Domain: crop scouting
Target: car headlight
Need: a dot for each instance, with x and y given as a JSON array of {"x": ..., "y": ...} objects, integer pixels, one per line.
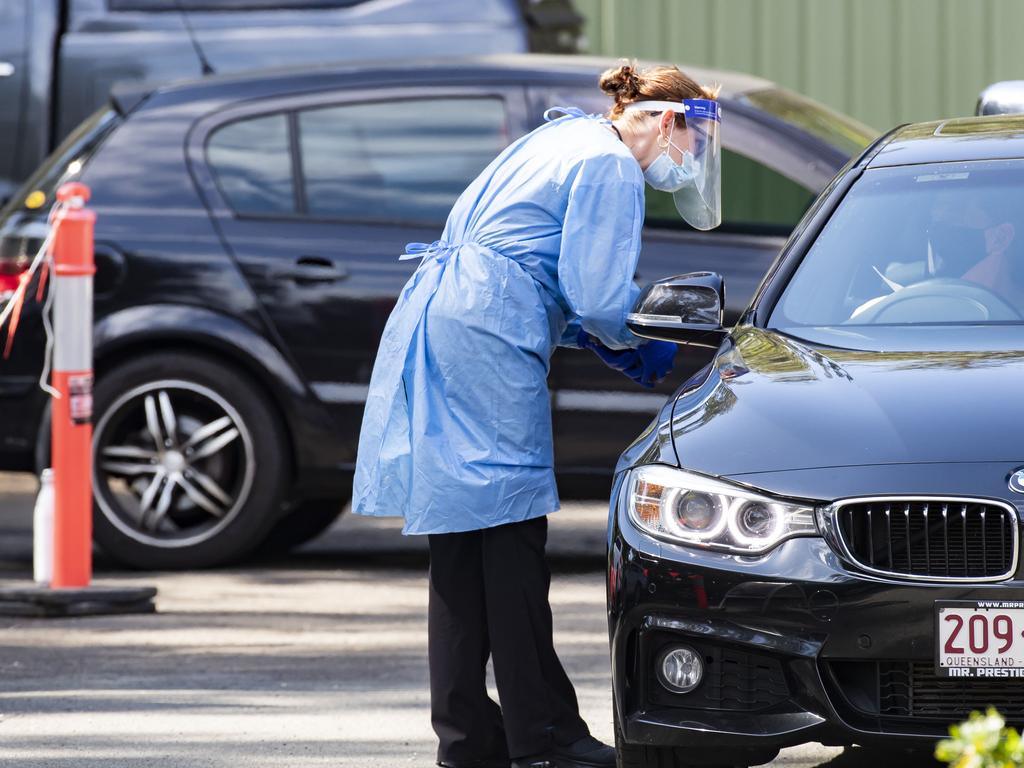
[{"x": 692, "y": 509}]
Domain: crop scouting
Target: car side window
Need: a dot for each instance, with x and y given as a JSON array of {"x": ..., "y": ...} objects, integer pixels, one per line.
[
  {"x": 404, "y": 160},
  {"x": 251, "y": 161},
  {"x": 755, "y": 199}
]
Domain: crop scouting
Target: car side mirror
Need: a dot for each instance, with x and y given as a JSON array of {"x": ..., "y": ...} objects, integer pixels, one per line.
[
  {"x": 685, "y": 308},
  {"x": 1003, "y": 98}
]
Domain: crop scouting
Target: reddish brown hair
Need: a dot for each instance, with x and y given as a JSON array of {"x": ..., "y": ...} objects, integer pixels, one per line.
[{"x": 627, "y": 84}]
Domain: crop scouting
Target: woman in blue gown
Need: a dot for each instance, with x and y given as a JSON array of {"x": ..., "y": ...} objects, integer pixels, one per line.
[{"x": 539, "y": 251}]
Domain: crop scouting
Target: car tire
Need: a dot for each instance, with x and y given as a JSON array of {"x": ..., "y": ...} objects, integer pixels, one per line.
[
  {"x": 190, "y": 462},
  {"x": 307, "y": 520},
  {"x": 644, "y": 756}
]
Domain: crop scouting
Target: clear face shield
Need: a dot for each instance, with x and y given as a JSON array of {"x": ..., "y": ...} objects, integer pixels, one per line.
[{"x": 696, "y": 182}]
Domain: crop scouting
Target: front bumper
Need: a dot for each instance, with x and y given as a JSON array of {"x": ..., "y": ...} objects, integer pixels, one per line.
[{"x": 797, "y": 648}]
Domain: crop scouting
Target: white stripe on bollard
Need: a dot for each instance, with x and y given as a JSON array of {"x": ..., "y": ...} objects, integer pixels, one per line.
[{"x": 73, "y": 299}]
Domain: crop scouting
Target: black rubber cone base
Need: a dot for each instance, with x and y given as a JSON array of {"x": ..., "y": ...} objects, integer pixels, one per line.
[{"x": 43, "y": 602}]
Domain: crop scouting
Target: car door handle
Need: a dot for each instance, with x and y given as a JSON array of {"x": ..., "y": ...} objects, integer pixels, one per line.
[
  {"x": 316, "y": 269},
  {"x": 6, "y": 69}
]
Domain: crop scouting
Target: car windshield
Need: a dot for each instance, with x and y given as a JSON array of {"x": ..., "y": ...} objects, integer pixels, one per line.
[
  {"x": 918, "y": 245},
  {"x": 842, "y": 132}
]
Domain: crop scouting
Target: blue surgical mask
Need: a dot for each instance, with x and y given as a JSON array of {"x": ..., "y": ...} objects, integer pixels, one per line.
[{"x": 664, "y": 174}]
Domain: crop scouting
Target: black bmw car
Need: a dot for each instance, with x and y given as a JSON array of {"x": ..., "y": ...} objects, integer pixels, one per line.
[
  {"x": 246, "y": 242},
  {"x": 818, "y": 538}
]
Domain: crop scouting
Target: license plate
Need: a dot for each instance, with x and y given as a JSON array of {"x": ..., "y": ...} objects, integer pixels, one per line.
[{"x": 982, "y": 638}]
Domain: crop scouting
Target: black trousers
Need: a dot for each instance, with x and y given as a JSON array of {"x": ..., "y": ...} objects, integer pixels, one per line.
[{"x": 489, "y": 597}]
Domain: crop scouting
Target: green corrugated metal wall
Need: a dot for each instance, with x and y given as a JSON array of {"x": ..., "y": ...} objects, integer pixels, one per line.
[{"x": 881, "y": 61}]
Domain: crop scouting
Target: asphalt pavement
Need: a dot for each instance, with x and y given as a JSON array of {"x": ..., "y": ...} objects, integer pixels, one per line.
[{"x": 316, "y": 659}]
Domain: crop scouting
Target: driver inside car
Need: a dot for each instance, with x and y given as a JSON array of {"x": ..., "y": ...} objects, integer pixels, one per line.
[
  {"x": 979, "y": 244},
  {"x": 1002, "y": 269},
  {"x": 969, "y": 240}
]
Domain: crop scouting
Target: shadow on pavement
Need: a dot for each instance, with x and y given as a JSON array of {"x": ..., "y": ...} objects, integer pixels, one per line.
[
  {"x": 89, "y": 751},
  {"x": 576, "y": 540},
  {"x": 871, "y": 757},
  {"x": 311, "y": 659}
]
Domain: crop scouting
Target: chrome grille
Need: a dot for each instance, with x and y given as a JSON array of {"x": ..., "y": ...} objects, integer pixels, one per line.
[{"x": 930, "y": 538}]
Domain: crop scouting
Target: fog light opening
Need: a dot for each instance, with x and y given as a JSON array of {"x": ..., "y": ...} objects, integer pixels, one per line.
[{"x": 680, "y": 669}]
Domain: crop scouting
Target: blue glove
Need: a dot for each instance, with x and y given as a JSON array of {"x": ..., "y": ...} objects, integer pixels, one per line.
[
  {"x": 616, "y": 359},
  {"x": 657, "y": 359},
  {"x": 646, "y": 366}
]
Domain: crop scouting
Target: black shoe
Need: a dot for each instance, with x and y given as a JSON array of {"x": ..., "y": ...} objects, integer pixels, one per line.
[
  {"x": 587, "y": 752},
  {"x": 473, "y": 764}
]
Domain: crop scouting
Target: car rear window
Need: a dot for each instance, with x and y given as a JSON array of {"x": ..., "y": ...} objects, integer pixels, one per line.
[
  {"x": 840, "y": 131},
  {"x": 403, "y": 160},
  {"x": 917, "y": 245},
  {"x": 252, "y": 162}
]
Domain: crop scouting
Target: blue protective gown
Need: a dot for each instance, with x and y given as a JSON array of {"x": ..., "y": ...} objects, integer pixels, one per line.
[{"x": 456, "y": 434}]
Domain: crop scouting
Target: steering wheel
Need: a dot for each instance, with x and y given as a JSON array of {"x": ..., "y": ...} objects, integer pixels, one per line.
[{"x": 941, "y": 300}]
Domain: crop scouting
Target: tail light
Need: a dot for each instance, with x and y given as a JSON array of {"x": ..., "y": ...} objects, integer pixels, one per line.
[
  {"x": 19, "y": 243},
  {"x": 10, "y": 275}
]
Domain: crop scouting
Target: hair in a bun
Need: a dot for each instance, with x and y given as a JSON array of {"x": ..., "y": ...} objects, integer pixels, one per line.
[
  {"x": 621, "y": 83},
  {"x": 626, "y": 84}
]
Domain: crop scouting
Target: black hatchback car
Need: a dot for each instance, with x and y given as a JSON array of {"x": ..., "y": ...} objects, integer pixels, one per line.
[
  {"x": 247, "y": 241},
  {"x": 818, "y": 538}
]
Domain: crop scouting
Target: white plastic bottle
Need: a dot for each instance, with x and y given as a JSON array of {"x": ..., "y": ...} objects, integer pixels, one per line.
[{"x": 42, "y": 530}]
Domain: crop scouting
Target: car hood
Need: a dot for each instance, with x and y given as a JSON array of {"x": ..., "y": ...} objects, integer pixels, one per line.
[{"x": 771, "y": 402}]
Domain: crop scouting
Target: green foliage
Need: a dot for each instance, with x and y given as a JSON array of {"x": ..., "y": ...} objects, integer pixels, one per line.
[{"x": 983, "y": 741}]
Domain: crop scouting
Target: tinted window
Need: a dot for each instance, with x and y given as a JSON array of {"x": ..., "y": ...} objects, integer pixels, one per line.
[
  {"x": 842, "y": 132},
  {"x": 755, "y": 199},
  {"x": 252, "y": 163},
  {"x": 917, "y": 245},
  {"x": 401, "y": 160}
]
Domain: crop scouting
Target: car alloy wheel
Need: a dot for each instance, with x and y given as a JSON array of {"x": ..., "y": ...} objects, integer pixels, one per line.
[{"x": 174, "y": 463}]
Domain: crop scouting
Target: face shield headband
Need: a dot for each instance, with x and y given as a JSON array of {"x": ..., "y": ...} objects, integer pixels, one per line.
[{"x": 695, "y": 183}]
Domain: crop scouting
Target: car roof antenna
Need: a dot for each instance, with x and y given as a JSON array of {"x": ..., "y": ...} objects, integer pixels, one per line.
[{"x": 203, "y": 61}]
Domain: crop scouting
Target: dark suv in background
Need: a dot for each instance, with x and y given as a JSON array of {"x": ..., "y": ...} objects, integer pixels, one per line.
[
  {"x": 60, "y": 58},
  {"x": 247, "y": 241}
]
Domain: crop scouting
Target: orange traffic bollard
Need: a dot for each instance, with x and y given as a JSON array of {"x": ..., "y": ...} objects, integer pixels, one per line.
[
  {"x": 73, "y": 377},
  {"x": 69, "y": 592}
]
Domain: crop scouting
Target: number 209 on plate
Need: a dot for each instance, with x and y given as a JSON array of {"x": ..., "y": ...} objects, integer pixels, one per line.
[{"x": 979, "y": 638}]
